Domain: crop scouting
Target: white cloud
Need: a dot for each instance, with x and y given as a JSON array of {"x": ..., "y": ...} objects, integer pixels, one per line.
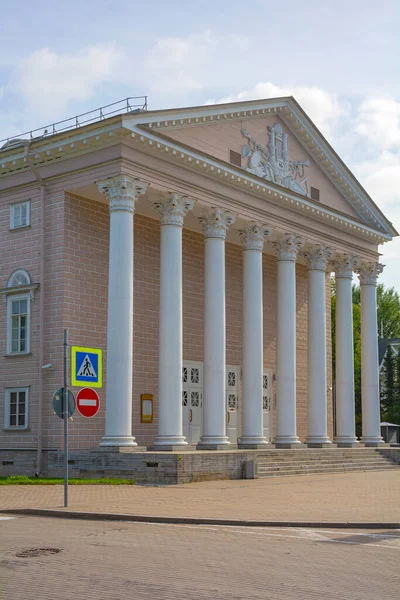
[
  {"x": 378, "y": 120},
  {"x": 180, "y": 65},
  {"x": 48, "y": 81},
  {"x": 323, "y": 108}
]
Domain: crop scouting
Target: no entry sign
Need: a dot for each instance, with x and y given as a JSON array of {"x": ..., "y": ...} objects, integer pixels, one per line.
[{"x": 87, "y": 402}]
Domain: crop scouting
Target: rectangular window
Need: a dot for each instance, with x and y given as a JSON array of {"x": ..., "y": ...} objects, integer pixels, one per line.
[
  {"x": 235, "y": 158},
  {"x": 18, "y": 324},
  {"x": 16, "y": 408},
  {"x": 20, "y": 215},
  {"x": 315, "y": 193}
]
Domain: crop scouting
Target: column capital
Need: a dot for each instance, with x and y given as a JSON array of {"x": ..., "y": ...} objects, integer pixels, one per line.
[
  {"x": 215, "y": 223},
  {"x": 344, "y": 266},
  {"x": 122, "y": 192},
  {"x": 317, "y": 257},
  {"x": 368, "y": 273},
  {"x": 287, "y": 246},
  {"x": 254, "y": 234},
  {"x": 173, "y": 208}
]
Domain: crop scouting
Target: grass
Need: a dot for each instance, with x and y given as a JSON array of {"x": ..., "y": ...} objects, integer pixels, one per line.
[{"x": 25, "y": 480}]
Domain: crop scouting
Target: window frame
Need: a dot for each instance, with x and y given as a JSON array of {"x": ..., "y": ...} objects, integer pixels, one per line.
[
  {"x": 13, "y": 226},
  {"x": 12, "y": 298},
  {"x": 7, "y": 407}
]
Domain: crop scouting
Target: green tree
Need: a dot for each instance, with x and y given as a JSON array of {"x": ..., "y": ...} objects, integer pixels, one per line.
[
  {"x": 388, "y": 312},
  {"x": 388, "y": 309},
  {"x": 388, "y": 381}
]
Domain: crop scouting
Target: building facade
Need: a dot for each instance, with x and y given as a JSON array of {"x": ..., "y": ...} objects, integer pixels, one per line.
[{"x": 195, "y": 247}]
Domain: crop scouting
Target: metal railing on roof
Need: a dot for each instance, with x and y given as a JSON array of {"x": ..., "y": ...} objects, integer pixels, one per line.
[{"x": 127, "y": 105}]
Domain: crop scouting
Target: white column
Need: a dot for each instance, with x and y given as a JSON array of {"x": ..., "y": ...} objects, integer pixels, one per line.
[
  {"x": 286, "y": 250},
  {"x": 172, "y": 211},
  {"x": 121, "y": 192},
  {"x": 317, "y": 432},
  {"x": 371, "y": 418},
  {"x": 345, "y": 410},
  {"x": 215, "y": 223},
  {"x": 253, "y": 236}
]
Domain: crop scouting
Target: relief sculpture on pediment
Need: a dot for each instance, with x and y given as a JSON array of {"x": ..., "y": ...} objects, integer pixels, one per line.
[{"x": 272, "y": 162}]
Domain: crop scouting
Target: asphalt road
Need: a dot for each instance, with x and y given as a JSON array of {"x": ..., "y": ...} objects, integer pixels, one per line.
[{"x": 119, "y": 561}]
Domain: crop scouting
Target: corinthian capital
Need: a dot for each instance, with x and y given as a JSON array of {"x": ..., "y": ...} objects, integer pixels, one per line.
[
  {"x": 318, "y": 257},
  {"x": 215, "y": 223},
  {"x": 253, "y": 235},
  {"x": 345, "y": 265},
  {"x": 122, "y": 192},
  {"x": 368, "y": 273},
  {"x": 287, "y": 247},
  {"x": 173, "y": 208}
]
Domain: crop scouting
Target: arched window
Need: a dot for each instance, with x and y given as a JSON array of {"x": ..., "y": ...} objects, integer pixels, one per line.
[
  {"x": 19, "y": 277},
  {"x": 18, "y": 300}
]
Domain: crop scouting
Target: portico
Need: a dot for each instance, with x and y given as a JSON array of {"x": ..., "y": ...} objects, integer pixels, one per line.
[{"x": 288, "y": 248}]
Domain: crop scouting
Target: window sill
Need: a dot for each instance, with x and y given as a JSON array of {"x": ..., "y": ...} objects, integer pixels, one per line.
[
  {"x": 13, "y": 229},
  {"x": 11, "y": 429},
  {"x": 17, "y": 354}
]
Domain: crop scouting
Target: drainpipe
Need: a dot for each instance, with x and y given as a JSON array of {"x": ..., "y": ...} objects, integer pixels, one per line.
[{"x": 41, "y": 310}]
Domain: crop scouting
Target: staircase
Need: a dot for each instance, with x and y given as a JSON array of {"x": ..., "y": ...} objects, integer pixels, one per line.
[{"x": 333, "y": 460}]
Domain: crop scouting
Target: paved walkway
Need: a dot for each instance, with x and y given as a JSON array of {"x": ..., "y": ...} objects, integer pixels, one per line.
[{"x": 367, "y": 496}]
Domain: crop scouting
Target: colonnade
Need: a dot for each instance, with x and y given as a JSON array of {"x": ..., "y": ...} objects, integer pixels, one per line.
[{"x": 122, "y": 193}]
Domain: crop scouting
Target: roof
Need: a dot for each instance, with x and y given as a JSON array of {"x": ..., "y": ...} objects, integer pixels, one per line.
[{"x": 383, "y": 344}]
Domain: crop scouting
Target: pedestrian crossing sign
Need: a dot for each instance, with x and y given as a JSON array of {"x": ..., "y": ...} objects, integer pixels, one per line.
[{"x": 86, "y": 367}]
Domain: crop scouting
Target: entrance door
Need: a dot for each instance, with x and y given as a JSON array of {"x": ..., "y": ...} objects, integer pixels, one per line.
[
  {"x": 192, "y": 401},
  {"x": 232, "y": 403},
  {"x": 267, "y": 401}
]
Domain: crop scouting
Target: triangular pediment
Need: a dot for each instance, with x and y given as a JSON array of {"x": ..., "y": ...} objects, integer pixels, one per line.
[{"x": 275, "y": 141}]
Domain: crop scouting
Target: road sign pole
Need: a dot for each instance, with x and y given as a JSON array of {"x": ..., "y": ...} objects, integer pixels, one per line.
[{"x": 65, "y": 400}]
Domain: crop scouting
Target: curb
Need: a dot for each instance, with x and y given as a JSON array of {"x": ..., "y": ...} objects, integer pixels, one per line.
[{"x": 90, "y": 516}]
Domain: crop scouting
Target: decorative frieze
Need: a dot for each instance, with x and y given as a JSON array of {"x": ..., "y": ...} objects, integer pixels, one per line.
[
  {"x": 318, "y": 257},
  {"x": 288, "y": 246},
  {"x": 368, "y": 273},
  {"x": 253, "y": 235},
  {"x": 215, "y": 223},
  {"x": 122, "y": 192},
  {"x": 345, "y": 265},
  {"x": 173, "y": 208}
]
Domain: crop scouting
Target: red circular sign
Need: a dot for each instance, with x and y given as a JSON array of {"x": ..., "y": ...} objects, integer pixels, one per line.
[{"x": 87, "y": 402}]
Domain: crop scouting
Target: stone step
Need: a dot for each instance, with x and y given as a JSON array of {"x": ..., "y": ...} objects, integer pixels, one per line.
[
  {"x": 326, "y": 466},
  {"x": 317, "y": 471},
  {"x": 317, "y": 453},
  {"x": 277, "y": 462}
]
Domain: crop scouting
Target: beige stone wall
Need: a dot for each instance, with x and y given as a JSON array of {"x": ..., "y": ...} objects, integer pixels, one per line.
[{"x": 76, "y": 283}]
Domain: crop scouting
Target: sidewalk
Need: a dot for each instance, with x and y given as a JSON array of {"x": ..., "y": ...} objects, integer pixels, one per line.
[{"x": 368, "y": 496}]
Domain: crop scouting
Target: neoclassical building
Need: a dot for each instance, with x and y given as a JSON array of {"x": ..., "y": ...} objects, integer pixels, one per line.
[{"x": 195, "y": 247}]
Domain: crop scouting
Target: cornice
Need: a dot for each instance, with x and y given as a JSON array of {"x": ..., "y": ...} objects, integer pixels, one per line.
[
  {"x": 303, "y": 129},
  {"x": 141, "y": 134},
  {"x": 171, "y": 150}
]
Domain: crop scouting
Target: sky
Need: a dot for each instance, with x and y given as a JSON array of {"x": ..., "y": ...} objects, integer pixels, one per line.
[{"x": 339, "y": 59}]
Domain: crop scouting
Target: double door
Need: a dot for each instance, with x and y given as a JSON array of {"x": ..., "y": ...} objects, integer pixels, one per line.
[{"x": 192, "y": 402}]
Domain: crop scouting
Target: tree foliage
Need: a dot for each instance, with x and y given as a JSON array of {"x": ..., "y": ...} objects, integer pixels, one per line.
[{"x": 388, "y": 312}]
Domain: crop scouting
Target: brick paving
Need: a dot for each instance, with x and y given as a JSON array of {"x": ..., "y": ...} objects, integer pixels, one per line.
[
  {"x": 151, "y": 562},
  {"x": 366, "y": 496}
]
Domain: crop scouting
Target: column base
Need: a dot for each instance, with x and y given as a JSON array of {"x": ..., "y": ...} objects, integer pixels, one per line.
[
  {"x": 167, "y": 442},
  {"x": 213, "y": 442},
  {"x": 344, "y": 441},
  {"x": 372, "y": 441},
  {"x": 118, "y": 440},
  {"x": 248, "y": 442},
  {"x": 287, "y": 442},
  {"x": 318, "y": 442},
  {"x": 119, "y": 449}
]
